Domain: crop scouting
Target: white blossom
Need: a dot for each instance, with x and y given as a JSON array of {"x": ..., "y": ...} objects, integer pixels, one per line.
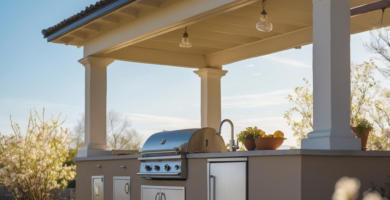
[
  {"x": 373, "y": 196},
  {"x": 33, "y": 162},
  {"x": 346, "y": 189}
]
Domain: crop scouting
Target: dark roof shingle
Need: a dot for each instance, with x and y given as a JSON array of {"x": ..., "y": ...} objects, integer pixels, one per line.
[{"x": 87, "y": 11}]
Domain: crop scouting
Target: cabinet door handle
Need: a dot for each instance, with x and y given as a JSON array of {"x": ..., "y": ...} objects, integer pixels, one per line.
[
  {"x": 127, "y": 188},
  {"x": 212, "y": 177},
  {"x": 163, "y": 195},
  {"x": 155, "y": 198}
]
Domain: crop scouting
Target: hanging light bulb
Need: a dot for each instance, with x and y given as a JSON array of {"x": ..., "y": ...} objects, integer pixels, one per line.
[
  {"x": 185, "y": 41},
  {"x": 264, "y": 25}
]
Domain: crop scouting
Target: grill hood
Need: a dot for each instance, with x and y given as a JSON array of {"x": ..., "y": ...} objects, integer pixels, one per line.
[{"x": 203, "y": 140}]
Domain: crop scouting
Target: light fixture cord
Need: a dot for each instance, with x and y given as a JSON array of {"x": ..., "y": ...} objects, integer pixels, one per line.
[
  {"x": 264, "y": 3},
  {"x": 383, "y": 14}
]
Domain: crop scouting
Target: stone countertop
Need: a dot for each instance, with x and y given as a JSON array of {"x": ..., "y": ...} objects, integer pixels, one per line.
[{"x": 294, "y": 152}]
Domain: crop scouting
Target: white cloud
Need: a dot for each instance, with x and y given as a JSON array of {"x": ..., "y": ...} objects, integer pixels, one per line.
[
  {"x": 257, "y": 74},
  {"x": 256, "y": 100},
  {"x": 287, "y": 61},
  {"x": 250, "y": 65}
]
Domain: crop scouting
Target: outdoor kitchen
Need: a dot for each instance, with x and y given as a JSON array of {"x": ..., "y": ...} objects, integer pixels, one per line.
[{"x": 195, "y": 164}]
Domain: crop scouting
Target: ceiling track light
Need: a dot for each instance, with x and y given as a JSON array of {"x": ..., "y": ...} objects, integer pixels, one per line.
[
  {"x": 185, "y": 41},
  {"x": 264, "y": 24}
]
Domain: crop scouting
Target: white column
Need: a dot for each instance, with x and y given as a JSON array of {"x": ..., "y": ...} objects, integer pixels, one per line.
[
  {"x": 331, "y": 77},
  {"x": 210, "y": 96},
  {"x": 95, "y": 107}
]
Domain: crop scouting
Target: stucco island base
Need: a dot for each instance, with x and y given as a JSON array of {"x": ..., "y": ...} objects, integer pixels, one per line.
[{"x": 272, "y": 175}]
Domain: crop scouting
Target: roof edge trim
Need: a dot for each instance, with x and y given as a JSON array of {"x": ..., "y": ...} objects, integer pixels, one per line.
[{"x": 99, "y": 13}]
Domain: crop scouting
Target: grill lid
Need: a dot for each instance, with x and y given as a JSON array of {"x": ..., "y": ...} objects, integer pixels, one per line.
[{"x": 185, "y": 141}]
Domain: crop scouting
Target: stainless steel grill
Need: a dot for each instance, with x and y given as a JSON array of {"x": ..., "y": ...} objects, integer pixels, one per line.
[{"x": 164, "y": 153}]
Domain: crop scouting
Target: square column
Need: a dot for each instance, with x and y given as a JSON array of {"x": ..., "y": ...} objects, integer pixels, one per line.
[
  {"x": 331, "y": 77},
  {"x": 95, "y": 143},
  {"x": 210, "y": 96}
]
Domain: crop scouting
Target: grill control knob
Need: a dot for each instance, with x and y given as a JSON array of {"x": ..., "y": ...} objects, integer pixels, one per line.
[
  {"x": 167, "y": 167},
  {"x": 157, "y": 168},
  {"x": 177, "y": 167},
  {"x": 148, "y": 168}
]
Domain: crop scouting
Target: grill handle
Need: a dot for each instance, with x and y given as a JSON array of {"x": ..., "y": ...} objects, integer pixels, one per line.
[{"x": 175, "y": 150}]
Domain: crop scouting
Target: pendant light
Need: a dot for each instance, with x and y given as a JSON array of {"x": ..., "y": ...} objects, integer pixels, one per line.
[
  {"x": 185, "y": 41},
  {"x": 264, "y": 24}
]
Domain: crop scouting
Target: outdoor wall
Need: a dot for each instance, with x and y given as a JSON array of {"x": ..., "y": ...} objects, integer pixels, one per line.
[
  {"x": 274, "y": 177},
  {"x": 320, "y": 173}
]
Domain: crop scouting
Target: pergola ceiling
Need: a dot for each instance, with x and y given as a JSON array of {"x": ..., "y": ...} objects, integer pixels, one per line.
[
  {"x": 221, "y": 37},
  {"x": 236, "y": 28}
]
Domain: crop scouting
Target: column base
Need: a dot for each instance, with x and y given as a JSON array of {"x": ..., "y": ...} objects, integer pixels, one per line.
[
  {"x": 94, "y": 151},
  {"x": 331, "y": 143}
]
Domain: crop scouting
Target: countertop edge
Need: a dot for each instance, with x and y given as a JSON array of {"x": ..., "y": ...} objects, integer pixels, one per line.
[{"x": 294, "y": 152}]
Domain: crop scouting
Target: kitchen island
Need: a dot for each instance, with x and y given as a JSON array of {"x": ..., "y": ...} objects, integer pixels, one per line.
[{"x": 271, "y": 175}]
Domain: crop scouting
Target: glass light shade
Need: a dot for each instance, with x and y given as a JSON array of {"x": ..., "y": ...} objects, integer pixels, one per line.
[
  {"x": 185, "y": 42},
  {"x": 264, "y": 25}
]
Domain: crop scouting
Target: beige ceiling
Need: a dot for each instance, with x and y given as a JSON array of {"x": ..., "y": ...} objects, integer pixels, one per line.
[{"x": 237, "y": 27}]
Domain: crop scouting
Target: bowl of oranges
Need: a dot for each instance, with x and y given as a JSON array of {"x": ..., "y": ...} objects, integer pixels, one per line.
[{"x": 269, "y": 142}]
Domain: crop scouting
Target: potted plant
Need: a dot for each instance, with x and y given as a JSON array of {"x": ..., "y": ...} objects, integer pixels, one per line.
[
  {"x": 362, "y": 130},
  {"x": 248, "y": 136}
]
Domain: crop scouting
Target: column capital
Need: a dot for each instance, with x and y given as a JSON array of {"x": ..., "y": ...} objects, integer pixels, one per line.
[
  {"x": 96, "y": 61},
  {"x": 211, "y": 73}
]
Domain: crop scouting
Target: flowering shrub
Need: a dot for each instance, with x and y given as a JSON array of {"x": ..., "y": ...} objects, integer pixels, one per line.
[
  {"x": 348, "y": 189},
  {"x": 31, "y": 164}
]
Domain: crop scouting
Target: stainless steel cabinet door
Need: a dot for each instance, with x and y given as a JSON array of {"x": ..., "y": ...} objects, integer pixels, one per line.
[
  {"x": 121, "y": 188},
  {"x": 151, "y": 193},
  {"x": 227, "y": 181},
  {"x": 162, "y": 193},
  {"x": 173, "y": 194},
  {"x": 97, "y": 188}
]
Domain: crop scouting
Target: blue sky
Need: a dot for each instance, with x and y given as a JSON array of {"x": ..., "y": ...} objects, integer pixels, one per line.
[{"x": 37, "y": 74}]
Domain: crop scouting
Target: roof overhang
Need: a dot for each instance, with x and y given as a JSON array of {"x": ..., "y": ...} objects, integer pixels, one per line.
[{"x": 222, "y": 31}]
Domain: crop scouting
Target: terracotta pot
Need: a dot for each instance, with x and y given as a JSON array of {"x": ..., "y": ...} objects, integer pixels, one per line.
[
  {"x": 268, "y": 143},
  {"x": 363, "y": 136},
  {"x": 249, "y": 144}
]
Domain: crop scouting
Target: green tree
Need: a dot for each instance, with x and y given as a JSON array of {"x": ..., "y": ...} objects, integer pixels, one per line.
[
  {"x": 365, "y": 103},
  {"x": 303, "y": 100}
]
